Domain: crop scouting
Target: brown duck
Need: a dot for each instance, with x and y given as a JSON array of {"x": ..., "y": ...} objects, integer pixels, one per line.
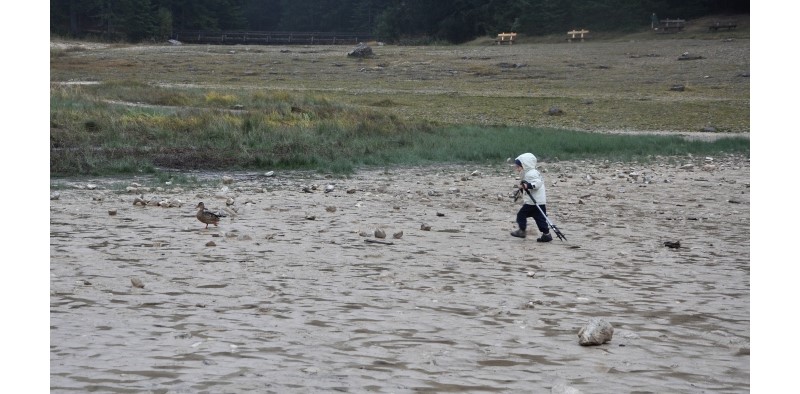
[{"x": 206, "y": 216}]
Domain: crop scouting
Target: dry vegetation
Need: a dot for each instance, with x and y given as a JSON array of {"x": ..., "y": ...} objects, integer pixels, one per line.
[{"x": 603, "y": 84}]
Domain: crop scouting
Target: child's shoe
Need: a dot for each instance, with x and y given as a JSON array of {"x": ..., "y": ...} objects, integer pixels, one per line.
[
  {"x": 545, "y": 238},
  {"x": 518, "y": 233}
]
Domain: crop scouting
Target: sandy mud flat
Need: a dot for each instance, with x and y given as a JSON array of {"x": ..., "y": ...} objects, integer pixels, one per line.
[{"x": 288, "y": 295}]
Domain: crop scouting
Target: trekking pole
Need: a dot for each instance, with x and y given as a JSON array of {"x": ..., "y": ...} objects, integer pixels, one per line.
[{"x": 553, "y": 226}]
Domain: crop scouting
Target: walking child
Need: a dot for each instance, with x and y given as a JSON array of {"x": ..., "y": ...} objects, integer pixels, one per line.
[{"x": 531, "y": 180}]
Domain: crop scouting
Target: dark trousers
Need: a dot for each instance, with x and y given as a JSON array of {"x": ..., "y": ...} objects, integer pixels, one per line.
[{"x": 530, "y": 211}]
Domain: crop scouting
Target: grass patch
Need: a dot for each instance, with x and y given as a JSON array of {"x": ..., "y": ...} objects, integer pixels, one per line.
[{"x": 92, "y": 137}]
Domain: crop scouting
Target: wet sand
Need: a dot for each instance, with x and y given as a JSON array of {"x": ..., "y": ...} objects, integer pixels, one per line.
[{"x": 291, "y": 297}]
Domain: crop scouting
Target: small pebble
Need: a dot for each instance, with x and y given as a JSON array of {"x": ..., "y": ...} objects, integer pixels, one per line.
[{"x": 136, "y": 282}]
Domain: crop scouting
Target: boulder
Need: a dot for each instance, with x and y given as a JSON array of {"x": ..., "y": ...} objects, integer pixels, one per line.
[
  {"x": 361, "y": 51},
  {"x": 596, "y": 332}
]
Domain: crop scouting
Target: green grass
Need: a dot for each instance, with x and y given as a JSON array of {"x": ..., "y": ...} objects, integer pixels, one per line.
[
  {"x": 92, "y": 137},
  {"x": 311, "y": 108}
]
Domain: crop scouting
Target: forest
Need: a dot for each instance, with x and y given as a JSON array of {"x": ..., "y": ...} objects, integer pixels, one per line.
[{"x": 390, "y": 21}]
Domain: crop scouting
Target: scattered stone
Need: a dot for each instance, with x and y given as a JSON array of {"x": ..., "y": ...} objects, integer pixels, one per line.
[
  {"x": 562, "y": 388},
  {"x": 174, "y": 42},
  {"x": 310, "y": 216},
  {"x": 425, "y": 227},
  {"x": 351, "y": 191},
  {"x": 329, "y": 188},
  {"x": 112, "y": 212},
  {"x": 687, "y": 56},
  {"x": 330, "y": 209},
  {"x": 677, "y": 88},
  {"x": 211, "y": 243},
  {"x": 596, "y": 332},
  {"x": 439, "y": 214},
  {"x": 555, "y": 111},
  {"x": 226, "y": 180},
  {"x": 530, "y": 305},
  {"x": 673, "y": 245},
  {"x": 55, "y": 195},
  {"x": 269, "y": 173},
  {"x": 136, "y": 282},
  {"x": 380, "y": 233},
  {"x": 398, "y": 235},
  {"x": 231, "y": 211},
  {"x": 91, "y": 186}
]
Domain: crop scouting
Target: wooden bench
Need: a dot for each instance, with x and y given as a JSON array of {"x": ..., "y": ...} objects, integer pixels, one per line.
[
  {"x": 670, "y": 25},
  {"x": 716, "y": 25},
  {"x": 583, "y": 33},
  {"x": 505, "y": 38}
]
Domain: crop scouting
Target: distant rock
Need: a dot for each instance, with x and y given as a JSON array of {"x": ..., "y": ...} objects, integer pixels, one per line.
[{"x": 361, "y": 51}]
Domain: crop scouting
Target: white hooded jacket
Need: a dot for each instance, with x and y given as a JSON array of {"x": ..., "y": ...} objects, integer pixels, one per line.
[{"x": 532, "y": 176}]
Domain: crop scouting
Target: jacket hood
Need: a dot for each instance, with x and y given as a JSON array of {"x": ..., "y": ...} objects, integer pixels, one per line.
[{"x": 528, "y": 161}]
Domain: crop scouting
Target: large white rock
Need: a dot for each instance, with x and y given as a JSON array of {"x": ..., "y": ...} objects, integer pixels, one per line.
[{"x": 596, "y": 332}]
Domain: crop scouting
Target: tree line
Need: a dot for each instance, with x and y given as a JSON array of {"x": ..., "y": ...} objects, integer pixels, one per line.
[{"x": 453, "y": 21}]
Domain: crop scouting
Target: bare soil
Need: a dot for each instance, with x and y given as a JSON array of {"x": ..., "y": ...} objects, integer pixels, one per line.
[{"x": 287, "y": 295}]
